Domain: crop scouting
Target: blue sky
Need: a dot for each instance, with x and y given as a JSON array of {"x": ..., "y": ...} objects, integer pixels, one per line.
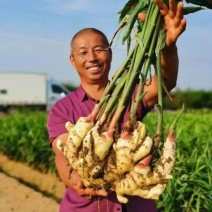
[{"x": 35, "y": 37}]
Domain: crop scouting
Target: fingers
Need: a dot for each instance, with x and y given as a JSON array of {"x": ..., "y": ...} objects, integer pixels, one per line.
[
  {"x": 69, "y": 126},
  {"x": 183, "y": 25},
  {"x": 172, "y": 8},
  {"x": 142, "y": 16},
  {"x": 162, "y": 7},
  {"x": 168, "y": 10},
  {"x": 88, "y": 193},
  {"x": 179, "y": 13},
  {"x": 165, "y": 10},
  {"x": 178, "y": 20},
  {"x": 99, "y": 193},
  {"x": 174, "y": 22}
]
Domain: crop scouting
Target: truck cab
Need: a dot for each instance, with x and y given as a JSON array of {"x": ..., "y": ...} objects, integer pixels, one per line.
[{"x": 55, "y": 92}]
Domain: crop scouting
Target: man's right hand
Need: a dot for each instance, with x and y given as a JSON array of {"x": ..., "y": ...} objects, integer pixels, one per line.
[{"x": 76, "y": 184}]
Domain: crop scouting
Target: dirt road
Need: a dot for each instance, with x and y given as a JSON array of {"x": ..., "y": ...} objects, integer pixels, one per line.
[{"x": 17, "y": 197}]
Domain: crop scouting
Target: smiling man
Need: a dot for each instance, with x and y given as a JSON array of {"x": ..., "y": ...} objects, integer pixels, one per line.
[{"x": 91, "y": 57}]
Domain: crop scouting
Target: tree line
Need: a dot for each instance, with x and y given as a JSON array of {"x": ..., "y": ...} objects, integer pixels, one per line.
[{"x": 192, "y": 99}]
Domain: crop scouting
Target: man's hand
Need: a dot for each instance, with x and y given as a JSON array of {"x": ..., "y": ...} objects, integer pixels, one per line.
[
  {"x": 76, "y": 184},
  {"x": 174, "y": 22}
]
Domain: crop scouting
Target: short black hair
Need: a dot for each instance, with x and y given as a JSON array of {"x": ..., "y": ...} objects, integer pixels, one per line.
[{"x": 82, "y": 31}]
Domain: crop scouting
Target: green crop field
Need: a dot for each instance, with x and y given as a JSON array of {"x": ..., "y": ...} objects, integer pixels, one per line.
[
  {"x": 24, "y": 138},
  {"x": 191, "y": 187}
]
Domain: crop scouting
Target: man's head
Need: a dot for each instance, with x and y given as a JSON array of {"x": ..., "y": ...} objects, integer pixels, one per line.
[
  {"x": 91, "y": 55},
  {"x": 89, "y": 30}
]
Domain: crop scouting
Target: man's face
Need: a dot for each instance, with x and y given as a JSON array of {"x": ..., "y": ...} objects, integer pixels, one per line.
[{"x": 91, "y": 57}]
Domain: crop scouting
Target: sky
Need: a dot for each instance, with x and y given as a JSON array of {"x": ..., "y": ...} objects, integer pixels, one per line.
[{"x": 35, "y": 37}]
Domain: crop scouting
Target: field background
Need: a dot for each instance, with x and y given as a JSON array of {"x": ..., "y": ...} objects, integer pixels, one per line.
[{"x": 24, "y": 141}]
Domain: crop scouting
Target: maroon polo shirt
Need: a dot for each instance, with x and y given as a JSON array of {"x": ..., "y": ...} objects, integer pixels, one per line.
[{"x": 77, "y": 104}]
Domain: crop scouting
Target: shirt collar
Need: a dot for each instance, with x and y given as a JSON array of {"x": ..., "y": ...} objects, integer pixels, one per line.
[
  {"x": 81, "y": 93},
  {"x": 83, "y": 96}
]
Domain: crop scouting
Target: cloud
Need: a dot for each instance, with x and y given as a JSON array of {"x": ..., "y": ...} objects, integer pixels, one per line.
[
  {"x": 84, "y": 7},
  {"x": 28, "y": 53},
  {"x": 67, "y": 6}
]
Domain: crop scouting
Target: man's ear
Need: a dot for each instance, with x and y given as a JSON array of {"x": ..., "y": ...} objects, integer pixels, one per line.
[{"x": 72, "y": 61}]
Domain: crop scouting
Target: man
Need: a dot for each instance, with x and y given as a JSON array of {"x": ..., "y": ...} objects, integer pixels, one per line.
[{"x": 91, "y": 57}]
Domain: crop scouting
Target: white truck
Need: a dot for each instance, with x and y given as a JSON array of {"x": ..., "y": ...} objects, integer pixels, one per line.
[{"x": 31, "y": 90}]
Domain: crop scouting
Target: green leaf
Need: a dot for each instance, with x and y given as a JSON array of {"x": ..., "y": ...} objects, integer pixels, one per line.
[
  {"x": 188, "y": 10},
  {"x": 140, "y": 7},
  {"x": 129, "y": 6},
  {"x": 204, "y": 3},
  {"x": 161, "y": 41}
]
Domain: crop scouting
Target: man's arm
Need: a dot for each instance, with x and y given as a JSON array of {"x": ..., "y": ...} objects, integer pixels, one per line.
[
  {"x": 170, "y": 64},
  {"x": 61, "y": 163},
  {"x": 169, "y": 68}
]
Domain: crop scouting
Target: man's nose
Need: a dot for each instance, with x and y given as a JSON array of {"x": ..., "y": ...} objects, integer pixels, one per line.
[{"x": 92, "y": 55}]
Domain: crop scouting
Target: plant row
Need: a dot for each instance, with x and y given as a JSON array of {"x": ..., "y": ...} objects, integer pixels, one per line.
[{"x": 24, "y": 138}]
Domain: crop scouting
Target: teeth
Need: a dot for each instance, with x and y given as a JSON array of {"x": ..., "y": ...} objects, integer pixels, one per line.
[{"x": 93, "y": 68}]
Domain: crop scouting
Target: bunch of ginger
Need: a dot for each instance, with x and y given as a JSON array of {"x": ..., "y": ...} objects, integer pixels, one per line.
[{"x": 119, "y": 161}]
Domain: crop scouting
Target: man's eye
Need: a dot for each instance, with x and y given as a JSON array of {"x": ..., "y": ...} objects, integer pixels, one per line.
[
  {"x": 99, "y": 50},
  {"x": 83, "y": 53}
]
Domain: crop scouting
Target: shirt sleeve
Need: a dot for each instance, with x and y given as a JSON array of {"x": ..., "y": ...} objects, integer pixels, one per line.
[
  {"x": 56, "y": 123},
  {"x": 143, "y": 107}
]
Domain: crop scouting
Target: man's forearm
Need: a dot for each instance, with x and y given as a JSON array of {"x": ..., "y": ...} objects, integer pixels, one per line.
[
  {"x": 61, "y": 162},
  {"x": 169, "y": 65}
]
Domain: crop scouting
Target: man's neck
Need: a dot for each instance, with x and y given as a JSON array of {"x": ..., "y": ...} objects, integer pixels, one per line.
[{"x": 95, "y": 91}]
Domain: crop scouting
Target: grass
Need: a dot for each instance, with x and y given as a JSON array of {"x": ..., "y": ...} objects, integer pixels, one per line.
[
  {"x": 24, "y": 137},
  {"x": 191, "y": 187}
]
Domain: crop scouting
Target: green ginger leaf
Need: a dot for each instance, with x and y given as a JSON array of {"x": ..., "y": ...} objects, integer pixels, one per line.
[
  {"x": 188, "y": 10},
  {"x": 127, "y": 10},
  {"x": 204, "y": 3}
]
